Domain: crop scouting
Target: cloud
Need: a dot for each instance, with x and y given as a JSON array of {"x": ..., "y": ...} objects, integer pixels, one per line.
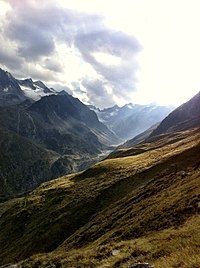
[
  {"x": 97, "y": 93},
  {"x": 116, "y": 44},
  {"x": 61, "y": 87},
  {"x": 36, "y": 27},
  {"x": 32, "y": 29},
  {"x": 119, "y": 80},
  {"x": 8, "y": 57},
  {"x": 53, "y": 65},
  {"x": 33, "y": 36}
]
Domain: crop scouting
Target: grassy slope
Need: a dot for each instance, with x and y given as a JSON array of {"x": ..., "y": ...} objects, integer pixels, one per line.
[{"x": 145, "y": 205}]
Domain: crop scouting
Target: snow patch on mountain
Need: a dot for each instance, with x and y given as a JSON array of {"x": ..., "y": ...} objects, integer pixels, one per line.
[
  {"x": 6, "y": 89},
  {"x": 36, "y": 94}
]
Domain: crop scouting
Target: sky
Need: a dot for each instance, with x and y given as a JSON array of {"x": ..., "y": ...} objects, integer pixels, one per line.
[{"x": 105, "y": 52}]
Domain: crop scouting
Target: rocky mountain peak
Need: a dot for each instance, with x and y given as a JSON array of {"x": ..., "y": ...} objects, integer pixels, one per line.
[
  {"x": 10, "y": 91},
  {"x": 42, "y": 85},
  {"x": 27, "y": 83}
]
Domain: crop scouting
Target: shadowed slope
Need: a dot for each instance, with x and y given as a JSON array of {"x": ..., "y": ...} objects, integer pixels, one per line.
[
  {"x": 111, "y": 204},
  {"x": 184, "y": 117}
]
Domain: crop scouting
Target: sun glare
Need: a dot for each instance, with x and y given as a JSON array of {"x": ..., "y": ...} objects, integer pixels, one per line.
[{"x": 4, "y": 7}]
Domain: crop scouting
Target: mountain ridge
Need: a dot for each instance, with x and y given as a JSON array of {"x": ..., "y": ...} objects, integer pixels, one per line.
[
  {"x": 186, "y": 112},
  {"x": 58, "y": 123},
  {"x": 131, "y": 119}
]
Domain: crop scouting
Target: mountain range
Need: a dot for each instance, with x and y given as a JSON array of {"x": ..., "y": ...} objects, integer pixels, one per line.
[
  {"x": 140, "y": 205},
  {"x": 44, "y": 134},
  {"x": 131, "y": 119}
]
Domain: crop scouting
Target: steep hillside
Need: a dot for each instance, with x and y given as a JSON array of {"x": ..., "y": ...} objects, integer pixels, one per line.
[
  {"x": 44, "y": 141},
  {"x": 184, "y": 117},
  {"x": 141, "y": 207},
  {"x": 67, "y": 108},
  {"x": 20, "y": 164}
]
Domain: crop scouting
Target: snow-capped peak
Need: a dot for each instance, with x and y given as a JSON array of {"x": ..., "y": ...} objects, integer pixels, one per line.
[{"x": 35, "y": 90}]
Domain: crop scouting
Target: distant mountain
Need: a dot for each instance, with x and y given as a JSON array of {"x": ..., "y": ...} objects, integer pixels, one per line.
[
  {"x": 63, "y": 109},
  {"x": 15, "y": 91},
  {"x": 92, "y": 107},
  {"x": 184, "y": 117},
  {"x": 139, "y": 138},
  {"x": 45, "y": 135},
  {"x": 10, "y": 91},
  {"x": 35, "y": 90},
  {"x": 131, "y": 119}
]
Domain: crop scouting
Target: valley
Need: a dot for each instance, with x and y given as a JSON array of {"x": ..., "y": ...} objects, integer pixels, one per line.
[
  {"x": 144, "y": 205},
  {"x": 70, "y": 197},
  {"x": 46, "y": 134},
  {"x": 99, "y": 134}
]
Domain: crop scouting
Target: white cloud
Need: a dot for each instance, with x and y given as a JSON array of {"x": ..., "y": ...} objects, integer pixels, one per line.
[
  {"x": 106, "y": 59},
  {"x": 4, "y": 8},
  {"x": 73, "y": 65},
  {"x": 63, "y": 42}
]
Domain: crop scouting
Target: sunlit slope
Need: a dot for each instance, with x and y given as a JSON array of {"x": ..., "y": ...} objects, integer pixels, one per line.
[{"x": 141, "y": 204}]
